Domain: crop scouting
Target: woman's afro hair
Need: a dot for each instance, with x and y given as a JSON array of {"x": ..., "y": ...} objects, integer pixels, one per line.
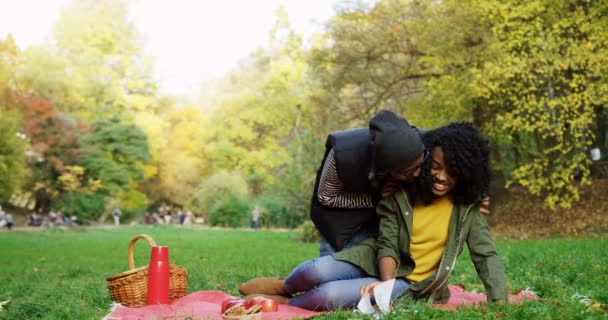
[{"x": 466, "y": 155}]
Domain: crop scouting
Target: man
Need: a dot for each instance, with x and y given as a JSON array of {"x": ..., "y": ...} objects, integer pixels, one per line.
[
  {"x": 357, "y": 165},
  {"x": 116, "y": 213},
  {"x": 255, "y": 217}
]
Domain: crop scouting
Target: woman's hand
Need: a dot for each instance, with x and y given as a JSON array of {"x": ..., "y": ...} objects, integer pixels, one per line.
[{"x": 369, "y": 288}]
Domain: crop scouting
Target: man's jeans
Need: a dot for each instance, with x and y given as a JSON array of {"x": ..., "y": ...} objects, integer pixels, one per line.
[
  {"x": 325, "y": 248},
  {"x": 328, "y": 284}
]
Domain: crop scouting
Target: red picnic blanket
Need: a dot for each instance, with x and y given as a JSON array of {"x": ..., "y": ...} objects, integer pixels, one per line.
[
  {"x": 207, "y": 304},
  {"x": 199, "y": 304},
  {"x": 459, "y": 297}
]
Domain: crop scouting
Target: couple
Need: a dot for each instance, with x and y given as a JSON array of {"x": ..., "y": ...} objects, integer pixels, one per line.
[{"x": 428, "y": 209}]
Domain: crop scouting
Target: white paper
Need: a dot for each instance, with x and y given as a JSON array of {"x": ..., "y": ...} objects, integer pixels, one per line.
[
  {"x": 382, "y": 294},
  {"x": 365, "y": 304}
]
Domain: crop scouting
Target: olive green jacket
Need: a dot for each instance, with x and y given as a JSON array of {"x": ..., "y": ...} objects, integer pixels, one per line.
[{"x": 466, "y": 224}]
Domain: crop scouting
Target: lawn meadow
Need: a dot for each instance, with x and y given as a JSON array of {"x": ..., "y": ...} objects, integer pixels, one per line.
[{"x": 60, "y": 274}]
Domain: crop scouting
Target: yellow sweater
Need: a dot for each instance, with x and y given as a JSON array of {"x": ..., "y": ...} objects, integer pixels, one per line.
[{"x": 429, "y": 236}]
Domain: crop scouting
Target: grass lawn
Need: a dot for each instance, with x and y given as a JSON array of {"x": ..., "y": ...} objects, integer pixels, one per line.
[{"x": 60, "y": 274}]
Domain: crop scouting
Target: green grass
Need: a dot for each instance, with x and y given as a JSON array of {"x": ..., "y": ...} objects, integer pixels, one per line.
[{"x": 61, "y": 274}]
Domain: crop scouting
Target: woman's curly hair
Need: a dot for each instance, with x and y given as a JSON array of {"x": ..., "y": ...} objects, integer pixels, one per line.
[{"x": 466, "y": 155}]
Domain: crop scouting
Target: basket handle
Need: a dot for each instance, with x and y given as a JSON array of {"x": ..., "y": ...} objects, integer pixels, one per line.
[{"x": 132, "y": 245}]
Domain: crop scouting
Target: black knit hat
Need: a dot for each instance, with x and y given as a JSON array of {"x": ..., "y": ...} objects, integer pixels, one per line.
[{"x": 394, "y": 143}]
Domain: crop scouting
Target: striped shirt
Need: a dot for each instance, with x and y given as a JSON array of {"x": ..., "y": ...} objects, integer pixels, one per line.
[{"x": 331, "y": 190}]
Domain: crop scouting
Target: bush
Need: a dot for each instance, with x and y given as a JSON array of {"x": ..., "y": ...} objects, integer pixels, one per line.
[
  {"x": 231, "y": 211},
  {"x": 307, "y": 232},
  {"x": 83, "y": 206},
  {"x": 214, "y": 188},
  {"x": 132, "y": 202},
  {"x": 277, "y": 211}
]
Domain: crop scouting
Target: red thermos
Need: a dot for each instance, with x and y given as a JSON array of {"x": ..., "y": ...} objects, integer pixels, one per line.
[{"x": 158, "y": 276}]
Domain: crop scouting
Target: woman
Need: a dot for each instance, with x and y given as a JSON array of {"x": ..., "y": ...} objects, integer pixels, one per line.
[{"x": 440, "y": 212}]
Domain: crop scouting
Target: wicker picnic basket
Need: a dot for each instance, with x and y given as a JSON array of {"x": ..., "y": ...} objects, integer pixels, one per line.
[{"x": 130, "y": 288}]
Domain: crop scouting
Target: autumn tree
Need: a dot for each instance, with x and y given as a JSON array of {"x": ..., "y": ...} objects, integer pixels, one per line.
[
  {"x": 94, "y": 66},
  {"x": 10, "y": 59},
  {"x": 546, "y": 87},
  {"x": 54, "y": 140},
  {"x": 12, "y": 141},
  {"x": 12, "y": 153},
  {"x": 177, "y": 139}
]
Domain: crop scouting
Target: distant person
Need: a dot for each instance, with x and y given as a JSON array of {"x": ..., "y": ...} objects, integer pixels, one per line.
[
  {"x": 116, "y": 214},
  {"x": 255, "y": 218},
  {"x": 2, "y": 218},
  {"x": 9, "y": 221},
  {"x": 59, "y": 218},
  {"x": 188, "y": 217},
  {"x": 156, "y": 218},
  {"x": 52, "y": 217}
]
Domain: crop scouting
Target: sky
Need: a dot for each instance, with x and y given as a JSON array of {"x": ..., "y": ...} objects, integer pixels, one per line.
[{"x": 190, "y": 40}]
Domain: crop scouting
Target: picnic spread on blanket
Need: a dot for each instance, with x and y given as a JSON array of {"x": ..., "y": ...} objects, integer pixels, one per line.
[{"x": 159, "y": 290}]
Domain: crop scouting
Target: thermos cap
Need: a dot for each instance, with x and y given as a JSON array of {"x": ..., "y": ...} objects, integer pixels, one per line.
[{"x": 159, "y": 253}]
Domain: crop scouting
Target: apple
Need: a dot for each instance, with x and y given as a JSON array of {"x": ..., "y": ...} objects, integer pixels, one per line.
[
  {"x": 230, "y": 301},
  {"x": 267, "y": 305},
  {"x": 255, "y": 301},
  {"x": 270, "y": 306}
]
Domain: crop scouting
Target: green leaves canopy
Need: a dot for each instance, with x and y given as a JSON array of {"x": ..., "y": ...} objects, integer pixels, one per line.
[{"x": 115, "y": 153}]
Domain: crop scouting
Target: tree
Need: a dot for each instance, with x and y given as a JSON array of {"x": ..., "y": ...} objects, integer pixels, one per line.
[
  {"x": 545, "y": 87},
  {"x": 114, "y": 154},
  {"x": 248, "y": 131},
  {"x": 54, "y": 140},
  {"x": 103, "y": 65},
  {"x": 12, "y": 151},
  {"x": 455, "y": 39},
  {"x": 180, "y": 160},
  {"x": 79, "y": 197},
  {"x": 369, "y": 59},
  {"x": 12, "y": 141},
  {"x": 10, "y": 57}
]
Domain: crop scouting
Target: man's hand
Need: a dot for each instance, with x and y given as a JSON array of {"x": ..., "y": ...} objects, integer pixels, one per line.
[
  {"x": 389, "y": 188},
  {"x": 485, "y": 206},
  {"x": 368, "y": 288}
]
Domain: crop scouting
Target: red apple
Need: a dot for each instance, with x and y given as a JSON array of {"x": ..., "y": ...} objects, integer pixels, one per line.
[
  {"x": 270, "y": 306},
  {"x": 255, "y": 301},
  {"x": 267, "y": 305},
  {"x": 228, "y": 302}
]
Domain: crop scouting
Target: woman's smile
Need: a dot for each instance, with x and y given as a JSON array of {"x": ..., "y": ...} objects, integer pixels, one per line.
[
  {"x": 443, "y": 183},
  {"x": 440, "y": 187}
]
